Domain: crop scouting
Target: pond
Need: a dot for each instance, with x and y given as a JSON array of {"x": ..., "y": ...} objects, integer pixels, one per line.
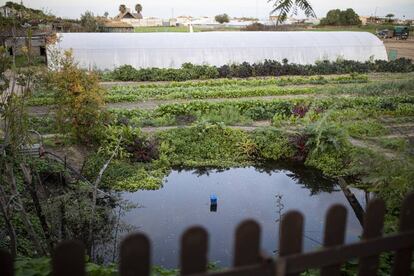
[{"x": 260, "y": 193}]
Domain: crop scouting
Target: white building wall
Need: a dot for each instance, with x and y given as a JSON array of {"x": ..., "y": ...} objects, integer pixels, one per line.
[{"x": 145, "y": 22}]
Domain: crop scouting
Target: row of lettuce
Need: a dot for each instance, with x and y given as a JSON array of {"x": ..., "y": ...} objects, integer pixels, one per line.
[
  {"x": 190, "y": 71},
  {"x": 220, "y": 88},
  {"x": 245, "y": 112},
  {"x": 355, "y": 84}
]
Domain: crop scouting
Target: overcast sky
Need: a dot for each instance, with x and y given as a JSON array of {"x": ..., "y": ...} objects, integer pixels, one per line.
[{"x": 248, "y": 8}]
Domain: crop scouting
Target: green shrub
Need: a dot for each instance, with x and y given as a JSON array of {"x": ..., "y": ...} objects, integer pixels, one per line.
[
  {"x": 228, "y": 115},
  {"x": 405, "y": 109},
  {"x": 399, "y": 144},
  {"x": 366, "y": 128},
  {"x": 328, "y": 147},
  {"x": 272, "y": 144},
  {"x": 266, "y": 68},
  {"x": 204, "y": 144}
]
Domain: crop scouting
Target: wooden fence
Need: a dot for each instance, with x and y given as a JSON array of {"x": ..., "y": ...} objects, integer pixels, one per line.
[{"x": 135, "y": 252}]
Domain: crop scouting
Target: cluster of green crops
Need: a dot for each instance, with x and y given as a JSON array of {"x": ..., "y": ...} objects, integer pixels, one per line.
[
  {"x": 225, "y": 88},
  {"x": 281, "y": 81},
  {"x": 190, "y": 71},
  {"x": 265, "y": 110},
  {"x": 217, "y": 88},
  {"x": 131, "y": 94},
  {"x": 281, "y": 105}
]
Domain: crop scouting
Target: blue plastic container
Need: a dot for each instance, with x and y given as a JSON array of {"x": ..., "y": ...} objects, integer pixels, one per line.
[{"x": 213, "y": 199}]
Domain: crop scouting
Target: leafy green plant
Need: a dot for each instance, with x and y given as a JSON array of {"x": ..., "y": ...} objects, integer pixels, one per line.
[
  {"x": 399, "y": 144},
  {"x": 328, "y": 147},
  {"x": 266, "y": 68},
  {"x": 365, "y": 128},
  {"x": 228, "y": 116},
  {"x": 272, "y": 144}
]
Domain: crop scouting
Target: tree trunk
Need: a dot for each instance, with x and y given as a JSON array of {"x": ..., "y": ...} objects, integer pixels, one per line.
[
  {"x": 14, "y": 44},
  {"x": 94, "y": 196},
  {"x": 39, "y": 212},
  {"x": 353, "y": 201},
  {"x": 28, "y": 224},
  {"x": 62, "y": 221},
  {"x": 9, "y": 224}
]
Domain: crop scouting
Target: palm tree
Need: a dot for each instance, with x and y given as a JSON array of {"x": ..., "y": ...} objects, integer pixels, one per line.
[
  {"x": 138, "y": 8},
  {"x": 284, "y": 7},
  {"x": 122, "y": 8}
]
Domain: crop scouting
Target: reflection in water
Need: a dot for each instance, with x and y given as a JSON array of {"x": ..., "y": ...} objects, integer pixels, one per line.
[{"x": 263, "y": 193}]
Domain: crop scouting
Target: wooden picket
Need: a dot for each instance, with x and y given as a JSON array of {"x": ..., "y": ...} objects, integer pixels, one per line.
[
  {"x": 69, "y": 259},
  {"x": 335, "y": 224}
]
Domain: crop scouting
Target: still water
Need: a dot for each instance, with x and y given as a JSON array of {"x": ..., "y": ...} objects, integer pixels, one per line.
[{"x": 262, "y": 194}]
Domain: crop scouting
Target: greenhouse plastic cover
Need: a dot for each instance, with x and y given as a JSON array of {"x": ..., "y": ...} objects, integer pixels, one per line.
[{"x": 170, "y": 50}]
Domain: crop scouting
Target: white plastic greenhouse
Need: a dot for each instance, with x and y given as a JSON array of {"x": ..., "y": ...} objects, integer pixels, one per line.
[{"x": 170, "y": 50}]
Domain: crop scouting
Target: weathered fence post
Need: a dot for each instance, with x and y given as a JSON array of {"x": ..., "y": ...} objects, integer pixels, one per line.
[
  {"x": 247, "y": 244},
  {"x": 6, "y": 264},
  {"x": 291, "y": 237},
  {"x": 135, "y": 256},
  {"x": 68, "y": 259},
  {"x": 335, "y": 224},
  {"x": 373, "y": 224},
  {"x": 403, "y": 257},
  {"x": 194, "y": 247}
]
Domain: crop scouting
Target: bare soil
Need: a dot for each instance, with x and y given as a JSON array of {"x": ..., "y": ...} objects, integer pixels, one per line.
[{"x": 404, "y": 48}]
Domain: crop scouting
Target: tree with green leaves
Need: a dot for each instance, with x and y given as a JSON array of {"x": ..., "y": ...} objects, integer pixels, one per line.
[
  {"x": 390, "y": 17},
  {"x": 222, "y": 18},
  {"x": 16, "y": 86},
  {"x": 341, "y": 18},
  {"x": 89, "y": 22},
  {"x": 283, "y": 7}
]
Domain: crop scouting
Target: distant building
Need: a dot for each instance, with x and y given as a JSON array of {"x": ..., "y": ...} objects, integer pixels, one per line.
[
  {"x": 367, "y": 20},
  {"x": 364, "y": 20},
  {"x": 137, "y": 20},
  {"x": 288, "y": 21},
  {"x": 15, "y": 41},
  {"x": 115, "y": 27},
  {"x": 273, "y": 18},
  {"x": 403, "y": 21},
  {"x": 7, "y": 11},
  {"x": 128, "y": 15},
  {"x": 184, "y": 20},
  {"x": 313, "y": 21}
]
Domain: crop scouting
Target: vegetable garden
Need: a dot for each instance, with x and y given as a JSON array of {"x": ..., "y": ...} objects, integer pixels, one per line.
[{"x": 349, "y": 120}]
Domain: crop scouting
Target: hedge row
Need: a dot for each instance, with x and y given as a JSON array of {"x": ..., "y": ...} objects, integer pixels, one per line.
[{"x": 267, "y": 68}]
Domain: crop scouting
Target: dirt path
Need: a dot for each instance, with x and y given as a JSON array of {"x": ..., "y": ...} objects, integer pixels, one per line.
[
  {"x": 404, "y": 48},
  {"x": 372, "y": 146}
]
